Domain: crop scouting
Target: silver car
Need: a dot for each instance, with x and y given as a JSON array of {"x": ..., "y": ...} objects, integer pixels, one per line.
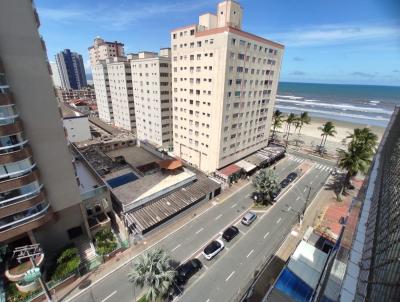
[{"x": 249, "y": 218}]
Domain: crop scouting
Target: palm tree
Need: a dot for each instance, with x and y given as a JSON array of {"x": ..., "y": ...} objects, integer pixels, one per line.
[
  {"x": 289, "y": 121},
  {"x": 266, "y": 183},
  {"x": 328, "y": 129},
  {"x": 364, "y": 138},
  {"x": 277, "y": 120},
  {"x": 304, "y": 119},
  {"x": 153, "y": 271}
]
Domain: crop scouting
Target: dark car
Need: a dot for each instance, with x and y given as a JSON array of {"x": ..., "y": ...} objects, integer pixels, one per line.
[
  {"x": 284, "y": 183},
  {"x": 275, "y": 194},
  {"x": 187, "y": 270},
  {"x": 230, "y": 233},
  {"x": 292, "y": 176}
]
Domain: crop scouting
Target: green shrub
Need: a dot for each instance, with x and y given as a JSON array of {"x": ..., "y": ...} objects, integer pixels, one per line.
[
  {"x": 105, "y": 242},
  {"x": 67, "y": 263}
]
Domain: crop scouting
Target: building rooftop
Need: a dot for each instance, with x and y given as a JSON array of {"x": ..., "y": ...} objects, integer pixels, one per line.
[{"x": 134, "y": 156}]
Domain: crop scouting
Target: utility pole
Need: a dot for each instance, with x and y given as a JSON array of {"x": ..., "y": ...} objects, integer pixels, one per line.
[
  {"x": 307, "y": 199},
  {"x": 31, "y": 251}
]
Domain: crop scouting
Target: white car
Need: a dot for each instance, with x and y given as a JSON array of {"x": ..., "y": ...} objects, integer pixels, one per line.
[{"x": 213, "y": 248}]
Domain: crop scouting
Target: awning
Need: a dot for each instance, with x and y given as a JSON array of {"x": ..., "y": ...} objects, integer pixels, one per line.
[
  {"x": 228, "y": 171},
  {"x": 170, "y": 164},
  {"x": 245, "y": 165}
]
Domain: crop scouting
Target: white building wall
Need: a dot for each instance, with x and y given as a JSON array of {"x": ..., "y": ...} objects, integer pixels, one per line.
[
  {"x": 151, "y": 79},
  {"x": 121, "y": 91},
  {"x": 77, "y": 128},
  {"x": 55, "y": 75},
  {"x": 102, "y": 90}
]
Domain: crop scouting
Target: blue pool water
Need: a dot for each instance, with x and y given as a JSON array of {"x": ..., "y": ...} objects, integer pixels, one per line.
[{"x": 122, "y": 180}]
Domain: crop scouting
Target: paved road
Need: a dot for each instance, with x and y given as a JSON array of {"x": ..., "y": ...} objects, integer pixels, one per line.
[
  {"x": 183, "y": 244},
  {"x": 229, "y": 273}
]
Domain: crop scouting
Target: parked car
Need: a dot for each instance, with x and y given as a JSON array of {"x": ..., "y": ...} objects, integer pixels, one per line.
[
  {"x": 249, "y": 218},
  {"x": 275, "y": 194},
  {"x": 230, "y": 233},
  {"x": 213, "y": 248},
  {"x": 187, "y": 270},
  {"x": 284, "y": 183},
  {"x": 292, "y": 176}
]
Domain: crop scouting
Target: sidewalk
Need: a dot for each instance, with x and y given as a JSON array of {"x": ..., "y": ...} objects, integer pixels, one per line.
[
  {"x": 316, "y": 209},
  {"x": 126, "y": 256}
]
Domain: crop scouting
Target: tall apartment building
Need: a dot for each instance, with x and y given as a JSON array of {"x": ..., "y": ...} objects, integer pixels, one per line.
[
  {"x": 151, "y": 79},
  {"x": 366, "y": 266},
  {"x": 121, "y": 92},
  {"x": 102, "y": 50},
  {"x": 71, "y": 69},
  {"x": 55, "y": 75},
  {"x": 39, "y": 196},
  {"x": 224, "y": 87},
  {"x": 99, "y": 52}
]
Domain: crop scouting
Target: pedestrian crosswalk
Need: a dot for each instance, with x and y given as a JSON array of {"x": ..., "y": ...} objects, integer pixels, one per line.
[
  {"x": 318, "y": 166},
  {"x": 323, "y": 167},
  {"x": 296, "y": 159}
]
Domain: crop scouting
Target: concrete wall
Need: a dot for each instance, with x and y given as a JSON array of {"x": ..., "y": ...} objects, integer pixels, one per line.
[{"x": 77, "y": 129}]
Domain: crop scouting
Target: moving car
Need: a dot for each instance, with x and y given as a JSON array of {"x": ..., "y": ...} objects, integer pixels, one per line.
[
  {"x": 213, "y": 248},
  {"x": 230, "y": 233},
  {"x": 284, "y": 183},
  {"x": 187, "y": 270},
  {"x": 292, "y": 176},
  {"x": 249, "y": 218}
]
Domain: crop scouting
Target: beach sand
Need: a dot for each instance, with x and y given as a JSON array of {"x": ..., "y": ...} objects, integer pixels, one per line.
[{"x": 311, "y": 135}]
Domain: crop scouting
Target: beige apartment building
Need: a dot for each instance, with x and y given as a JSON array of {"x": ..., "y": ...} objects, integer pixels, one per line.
[
  {"x": 99, "y": 53},
  {"x": 39, "y": 196},
  {"x": 151, "y": 79},
  {"x": 224, "y": 88},
  {"x": 121, "y": 92}
]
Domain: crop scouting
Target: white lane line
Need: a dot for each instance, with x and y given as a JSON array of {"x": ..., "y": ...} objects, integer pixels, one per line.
[
  {"x": 197, "y": 232},
  {"x": 218, "y": 217},
  {"x": 311, "y": 182},
  {"x": 109, "y": 296},
  {"x": 175, "y": 248},
  {"x": 208, "y": 300},
  {"x": 289, "y": 208},
  {"x": 298, "y": 198},
  {"x": 305, "y": 189},
  {"x": 279, "y": 220},
  {"x": 231, "y": 274},
  {"x": 234, "y": 205},
  {"x": 251, "y": 252},
  {"x": 265, "y": 236}
]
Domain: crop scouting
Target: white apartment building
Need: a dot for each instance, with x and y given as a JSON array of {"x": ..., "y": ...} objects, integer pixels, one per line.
[
  {"x": 102, "y": 90},
  {"x": 121, "y": 92},
  {"x": 55, "y": 76},
  {"x": 99, "y": 52},
  {"x": 102, "y": 50},
  {"x": 223, "y": 89},
  {"x": 151, "y": 79}
]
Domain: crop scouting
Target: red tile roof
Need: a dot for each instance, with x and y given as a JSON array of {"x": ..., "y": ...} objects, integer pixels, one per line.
[{"x": 229, "y": 170}]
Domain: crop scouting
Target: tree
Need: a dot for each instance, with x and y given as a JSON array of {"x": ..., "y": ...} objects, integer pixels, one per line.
[
  {"x": 277, "y": 120},
  {"x": 304, "y": 119},
  {"x": 153, "y": 271},
  {"x": 289, "y": 121},
  {"x": 266, "y": 184},
  {"x": 328, "y": 129},
  {"x": 359, "y": 153}
]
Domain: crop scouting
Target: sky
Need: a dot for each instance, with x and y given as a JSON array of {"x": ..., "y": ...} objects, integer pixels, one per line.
[{"x": 326, "y": 41}]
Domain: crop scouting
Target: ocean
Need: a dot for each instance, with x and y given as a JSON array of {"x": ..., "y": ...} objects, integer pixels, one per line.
[{"x": 361, "y": 104}]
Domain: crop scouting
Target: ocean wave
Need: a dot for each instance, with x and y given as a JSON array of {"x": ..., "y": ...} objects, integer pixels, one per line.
[
  {"x": 337, "y": 106},
  {"x": 290, "y": 97},
  {"x": 330, "y": 113}
]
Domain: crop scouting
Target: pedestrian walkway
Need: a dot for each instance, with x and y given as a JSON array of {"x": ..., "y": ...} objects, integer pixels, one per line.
[{"x": 318, "y": 166}]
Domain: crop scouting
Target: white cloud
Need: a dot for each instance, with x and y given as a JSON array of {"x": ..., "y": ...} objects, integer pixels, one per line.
[
  {"x": 117, "y": 17},
  {"x": 335, "y": 34}
]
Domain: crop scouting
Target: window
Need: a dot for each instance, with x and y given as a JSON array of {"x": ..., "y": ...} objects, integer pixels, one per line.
[
  {"x": 198, "y": 43},
  {"x": 240, "y": 56},
  {"x": 242, "y": 43},
  {"x": 233, "y": 41},
  {"x": 239, "y": 69},
  {"x": 192, "y": 32}
]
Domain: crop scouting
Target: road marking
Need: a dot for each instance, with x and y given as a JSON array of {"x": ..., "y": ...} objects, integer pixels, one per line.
[
  {"x": 279, "y": 220},
  {"x": 289, "y": 208},
  {"x": 251, "y": 252},
  {"x": 265, "y": 236},
  {"x": 298, "y": 198},
  {"x": 305, "y": 189},
  {"x": 208, "y": 300},
  {"x": 311, "y": 182},
  {"x": 234, "y": 205},
  {"x": 175, "y": 248},
  {"x": 218, "y": 217},
  {"x": 199, "y": 230},
  {"x": 316, "y": 176},
  {"x": 229, "y": 276},
  {"x": 109, "y": 296}
]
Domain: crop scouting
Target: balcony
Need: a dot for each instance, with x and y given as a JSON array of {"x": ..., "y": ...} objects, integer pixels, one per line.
[
  {"x": 11, "y": 128},
  {"x": 15, "y": 271},
  {"x": 21, "y": 203},
  {"x": 13, "y": 156},
  {"x": 6, "y": 99},
  {"x": 26, "y": 224},
  {"x": 19, "y": 181}
]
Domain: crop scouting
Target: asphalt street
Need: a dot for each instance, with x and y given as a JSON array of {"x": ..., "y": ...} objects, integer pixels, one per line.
[{"x": 241, "y": 257}]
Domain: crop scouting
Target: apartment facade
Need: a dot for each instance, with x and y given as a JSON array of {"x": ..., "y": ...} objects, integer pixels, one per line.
[
  {"x": 102, "y": 50},
  {"x": 151, "y": 80},
  {"x": 71, "y": 69},
  {"x": 99, "y": 53},
  {"x": 55, "y": 75},
  {"x": 121, "y": 92},
  {"x": 223, "y": 89},
  {"x": 39, "y": 196}
]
